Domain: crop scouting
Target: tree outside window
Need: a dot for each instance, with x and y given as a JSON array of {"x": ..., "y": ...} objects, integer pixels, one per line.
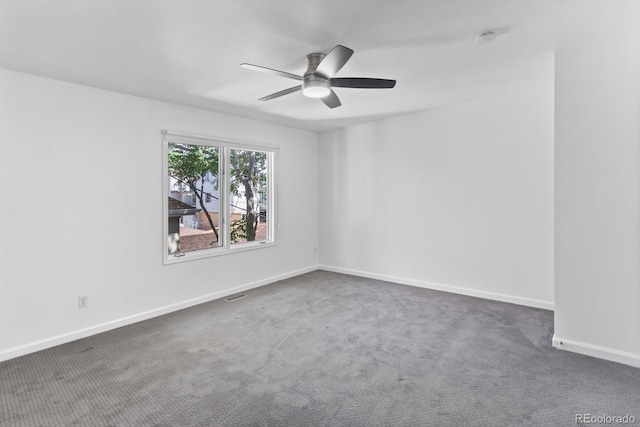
[{"x": 224, "y": 210}]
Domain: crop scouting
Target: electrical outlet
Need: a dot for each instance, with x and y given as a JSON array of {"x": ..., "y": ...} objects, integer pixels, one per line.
[{"x": 83, "y": 302}]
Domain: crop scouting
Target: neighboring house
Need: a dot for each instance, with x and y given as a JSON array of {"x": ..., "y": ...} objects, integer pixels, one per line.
[
  {"x": 183, "y": 192},
  {"x": 211, "y": 198},
  {"x": 177, "y": 210}
]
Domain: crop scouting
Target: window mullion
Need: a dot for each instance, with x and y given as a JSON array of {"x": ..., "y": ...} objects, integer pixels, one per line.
[
  {"x": 225, "y": 192},
  {"x": 271, "y": 207}
]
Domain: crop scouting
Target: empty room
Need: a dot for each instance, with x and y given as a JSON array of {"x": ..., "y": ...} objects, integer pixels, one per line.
[{"x": 319, "y": 213}]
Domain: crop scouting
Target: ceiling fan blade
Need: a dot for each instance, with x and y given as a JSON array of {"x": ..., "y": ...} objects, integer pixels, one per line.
[
  {"x": 270, "y": 71},
  {"x": 362, "y": 83},
  {"x": 334, "y": 61},
  {"x": 281, "y": 93},
  {"x": 331, "y": 100}
]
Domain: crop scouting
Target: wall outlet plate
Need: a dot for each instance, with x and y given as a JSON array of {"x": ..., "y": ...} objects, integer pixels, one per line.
[{"x": 83, "y": 302}]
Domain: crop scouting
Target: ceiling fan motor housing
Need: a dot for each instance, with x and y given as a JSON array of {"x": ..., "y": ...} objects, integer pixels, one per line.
[
  {"x": 313, "y": 60},
  {"x": 315, "y": 86}
]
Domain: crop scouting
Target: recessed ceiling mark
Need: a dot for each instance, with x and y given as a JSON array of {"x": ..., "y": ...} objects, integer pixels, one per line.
[{"x": 486, "y": 37}]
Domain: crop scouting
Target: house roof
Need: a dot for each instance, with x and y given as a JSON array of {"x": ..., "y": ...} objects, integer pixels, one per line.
[{"x": 178, "y": 208}]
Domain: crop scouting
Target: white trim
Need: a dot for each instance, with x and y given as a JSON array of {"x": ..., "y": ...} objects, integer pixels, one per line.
[
  {"x": 224, "y": 181},
  {"x": 219, "y": 251},
  {"x": 624, "y": 357},
  {"x": 93, "y": 330},
  {"x": 170, "y": 135},
  {"x": 224, "y": 147},
  {"x": 272, "y": 207},
  {"x": 529, "y": 302},
  {"x": 165, "y": 199}
]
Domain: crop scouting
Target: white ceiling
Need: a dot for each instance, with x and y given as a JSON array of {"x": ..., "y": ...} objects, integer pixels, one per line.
[{"x": 188, "y": 51}]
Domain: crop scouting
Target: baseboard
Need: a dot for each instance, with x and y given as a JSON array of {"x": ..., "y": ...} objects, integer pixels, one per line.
[
  {"x": 104, "y": 327},
  {"x": 546, "y": 305},
  {"x": 631, "y": 359}
]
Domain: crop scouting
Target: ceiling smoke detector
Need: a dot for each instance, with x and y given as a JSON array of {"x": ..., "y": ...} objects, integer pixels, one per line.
[{"x": 486, "y": 37}]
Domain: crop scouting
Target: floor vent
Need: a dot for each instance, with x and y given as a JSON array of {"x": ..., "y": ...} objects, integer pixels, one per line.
[{"x": 235, "y": 297}]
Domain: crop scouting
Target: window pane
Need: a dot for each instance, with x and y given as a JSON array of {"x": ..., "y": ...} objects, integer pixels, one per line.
[
  {"x": 194, "y": 210},
  {"x": 249, "y": 198}
]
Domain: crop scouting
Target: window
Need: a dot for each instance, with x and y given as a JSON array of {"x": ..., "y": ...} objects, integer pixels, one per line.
[
  {"x": 248, "y": 188},
  {"x": 218, "y": 196}
]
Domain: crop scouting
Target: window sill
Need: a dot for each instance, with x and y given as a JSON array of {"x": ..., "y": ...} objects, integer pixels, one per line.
[{"x": 214, "y": 252}]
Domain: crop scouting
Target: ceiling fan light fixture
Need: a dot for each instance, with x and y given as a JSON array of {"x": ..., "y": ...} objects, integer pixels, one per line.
[
  {"x": 315, "y": 87},
  {"x": 316, "y": 91}
]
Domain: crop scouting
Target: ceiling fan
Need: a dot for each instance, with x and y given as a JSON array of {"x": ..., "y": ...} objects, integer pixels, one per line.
[{"x": 318, "y": 80}]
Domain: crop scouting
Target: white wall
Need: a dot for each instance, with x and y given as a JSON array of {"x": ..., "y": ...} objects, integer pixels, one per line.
[
  {"x": 459, "y": 198},
  {"x": 58, "y": 245},
  {"x": 597, "y": 137}
]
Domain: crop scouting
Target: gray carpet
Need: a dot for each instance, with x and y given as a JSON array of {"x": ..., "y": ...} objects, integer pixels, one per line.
[{"x": 322, "y": 349}]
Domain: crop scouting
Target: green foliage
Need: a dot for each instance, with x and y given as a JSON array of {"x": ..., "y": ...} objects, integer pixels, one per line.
[
  {"x": 193, "y": 164},
  {"x": 238, "y": 230},
  {"x": 190, "y": 163},
  {"x": 248, "y": 167},
  {"x": 249, "y": 174}
]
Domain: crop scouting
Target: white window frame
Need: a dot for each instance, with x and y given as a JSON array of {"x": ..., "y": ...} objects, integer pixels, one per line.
[{"x": 225, "y": 145}]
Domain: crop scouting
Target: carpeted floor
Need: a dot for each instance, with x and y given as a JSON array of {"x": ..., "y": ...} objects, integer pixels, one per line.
[{"x": 322, "y": 349}]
